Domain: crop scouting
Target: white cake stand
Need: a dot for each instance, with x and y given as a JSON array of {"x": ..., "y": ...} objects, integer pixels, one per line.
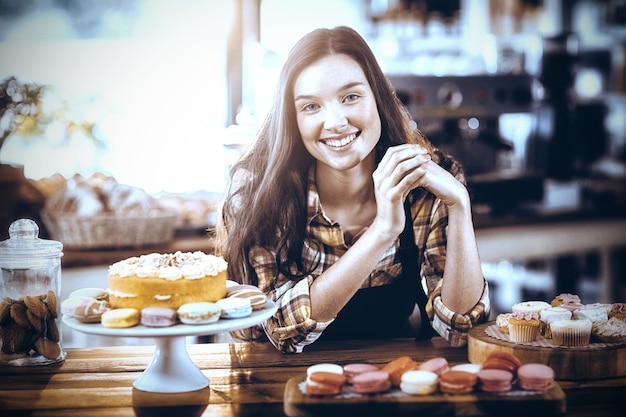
[{"x": 171, "y": 369}]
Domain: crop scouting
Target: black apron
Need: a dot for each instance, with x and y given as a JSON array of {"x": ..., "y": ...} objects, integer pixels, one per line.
[{"x": 383, "y": 311}]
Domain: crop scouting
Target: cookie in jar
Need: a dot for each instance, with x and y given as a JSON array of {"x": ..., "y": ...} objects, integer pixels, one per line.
[{"x": 30, "y": 284}]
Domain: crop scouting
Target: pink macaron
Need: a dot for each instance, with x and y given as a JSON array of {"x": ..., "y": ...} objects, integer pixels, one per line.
[
  {"x": 535, "y": 377},
  {"x": 353, "y": 369},
  {"x": 438, "y": 365},
  {"x": 371, "y": 382},
  {"x": 495, "y": 380}
]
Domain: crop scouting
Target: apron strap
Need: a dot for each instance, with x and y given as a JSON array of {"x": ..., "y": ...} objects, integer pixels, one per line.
[{"x": 408, "y": 253}]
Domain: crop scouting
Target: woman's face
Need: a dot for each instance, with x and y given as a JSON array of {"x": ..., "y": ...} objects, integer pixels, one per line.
[{"x": 336, "y": 112}]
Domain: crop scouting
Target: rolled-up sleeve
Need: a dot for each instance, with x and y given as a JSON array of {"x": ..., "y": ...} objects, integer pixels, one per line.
[
  {"x": 291, "y": 328},
  {"x": 453, "y": 326}
]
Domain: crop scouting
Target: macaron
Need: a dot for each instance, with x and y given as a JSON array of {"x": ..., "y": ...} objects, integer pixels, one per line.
[
  {"x": 158, "y": 316},
  {"x": 353, "y": 369},
  {"x": 457, "y": 382},
  {"x": 235, "y": 308},
  {"x": 120, "y": 318},
  {"x": 495, "y": 380},
  {"x": 84, "y": 308},
  {"x": 397, "y": 367},
  {"x": 371, "y": 382},
  {"x": 324, "y": 383},
  {"x": 500, "y": 359},
  {"x": 535, "y": 377},
  {"x": 325, "y": 367},
  {"x": 438, "y": 365},
  {"x": 97, "y": 293},
  {"x": 257, "y": 298},
  {"x": 419, "y": 382},
  {"x": 468, "y": 367},
  {"x": 202, "y": 312}
]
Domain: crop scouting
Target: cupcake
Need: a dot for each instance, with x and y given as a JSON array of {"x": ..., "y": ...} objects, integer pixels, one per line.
[
  {"x": 565, "y": 298},
  {"x": 572, "y": 306},
  {"x": 571, "y": 332},
  {"x": 502, "y": 321},
  {"x": 593, "y": 313},
  {"x": 551, "y": 314},
  {"x": 618, "y": 310},
  {"x": 530, "y": 307},
  {"x": 523, "y": 327}
]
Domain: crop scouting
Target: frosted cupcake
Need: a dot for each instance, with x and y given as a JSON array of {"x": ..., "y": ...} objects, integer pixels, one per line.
[
  {"x": 565, "y": 298},
  {"x": 530, "y": 307},
  {"x": 523, "y": 327},
  {"x": 551, "y": 314},
  {"x": 502, "y": 321},
  {"x": 571, "y": 332},
  {"x": 593, "y": 313}
]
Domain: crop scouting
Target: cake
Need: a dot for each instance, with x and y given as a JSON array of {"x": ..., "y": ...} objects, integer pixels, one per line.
[
  {"x": 166, "y": 280},
  {"x": 502, "y": 321},
  {"x": 524, "y": 327},
  {"x": 571, "y": 332},
  {"x": 551, "y": 314}
]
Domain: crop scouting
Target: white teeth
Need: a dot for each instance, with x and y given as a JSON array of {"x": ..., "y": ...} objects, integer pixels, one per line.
[{"x": 338, "y": 143}]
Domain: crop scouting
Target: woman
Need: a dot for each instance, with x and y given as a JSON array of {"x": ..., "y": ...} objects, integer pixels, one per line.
[{"x": 316, "y": 209}]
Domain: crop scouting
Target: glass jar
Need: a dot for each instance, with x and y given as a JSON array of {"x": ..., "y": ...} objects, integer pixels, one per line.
[{"x": 30, "y": 286}]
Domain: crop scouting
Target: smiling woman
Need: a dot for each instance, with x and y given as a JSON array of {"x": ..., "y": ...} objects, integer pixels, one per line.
[{"x": 149, "y": 75}]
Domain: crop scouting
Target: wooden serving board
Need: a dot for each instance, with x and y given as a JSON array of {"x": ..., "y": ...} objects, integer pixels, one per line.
[
  {"x": 575, "y": 363},
  {"x": 396, "y": 403}
]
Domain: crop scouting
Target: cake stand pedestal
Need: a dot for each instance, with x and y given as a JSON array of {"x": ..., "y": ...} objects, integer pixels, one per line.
[{"x": 171, "y": 369}]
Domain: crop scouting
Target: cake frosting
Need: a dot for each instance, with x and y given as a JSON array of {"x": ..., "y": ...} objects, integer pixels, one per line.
[{"x": 166, "y": 280}]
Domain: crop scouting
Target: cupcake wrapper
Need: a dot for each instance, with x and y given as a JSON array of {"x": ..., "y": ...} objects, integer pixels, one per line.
[
  {"x": 522, "y": 334},
  {"x": 571, "y": 338}
]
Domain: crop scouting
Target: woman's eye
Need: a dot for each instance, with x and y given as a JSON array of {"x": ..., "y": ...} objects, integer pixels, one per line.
[
  {"x": 310, "y": 107},
  {"x": 351, "y": 97}
]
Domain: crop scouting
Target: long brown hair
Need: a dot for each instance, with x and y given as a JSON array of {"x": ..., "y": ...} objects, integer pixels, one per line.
[{"x": 265, "y": 204}]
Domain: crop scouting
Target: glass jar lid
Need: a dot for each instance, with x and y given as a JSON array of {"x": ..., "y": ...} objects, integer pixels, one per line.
[{"x": 24, "y": 242}]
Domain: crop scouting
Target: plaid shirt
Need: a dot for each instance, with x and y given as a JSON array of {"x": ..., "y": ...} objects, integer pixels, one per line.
[{"x": 292, "y": 327}]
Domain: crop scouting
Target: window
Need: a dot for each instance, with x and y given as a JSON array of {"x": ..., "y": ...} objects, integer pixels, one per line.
[{"x": 150, "y": 74}]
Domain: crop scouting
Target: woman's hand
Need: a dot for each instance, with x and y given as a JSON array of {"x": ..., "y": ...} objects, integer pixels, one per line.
[{"x": 401, "y": 169}]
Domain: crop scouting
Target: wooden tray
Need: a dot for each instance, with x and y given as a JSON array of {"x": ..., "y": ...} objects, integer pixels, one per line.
[
  {"x": 396, "y": 403},
  {"x": 585, "y": 362}
]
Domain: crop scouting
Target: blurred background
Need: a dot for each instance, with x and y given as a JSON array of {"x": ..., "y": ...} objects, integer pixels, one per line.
[{"x": 162, "y": 97}]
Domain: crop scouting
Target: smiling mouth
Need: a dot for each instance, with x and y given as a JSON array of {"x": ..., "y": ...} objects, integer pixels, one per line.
[{"x": 339, "y": 143}]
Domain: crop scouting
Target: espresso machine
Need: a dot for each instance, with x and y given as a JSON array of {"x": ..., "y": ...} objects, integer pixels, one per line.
[{"x": 467, "y": 117}]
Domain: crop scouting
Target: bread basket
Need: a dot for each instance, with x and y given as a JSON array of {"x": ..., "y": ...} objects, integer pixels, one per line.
[{"x": 110, "y": 230}]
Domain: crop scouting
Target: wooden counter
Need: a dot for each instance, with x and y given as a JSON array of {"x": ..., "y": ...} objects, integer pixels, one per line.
[{"x": 245, "y": 380}]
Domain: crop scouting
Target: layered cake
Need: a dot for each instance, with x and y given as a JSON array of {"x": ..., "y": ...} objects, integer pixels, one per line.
[{"x": 166, "y": 280}]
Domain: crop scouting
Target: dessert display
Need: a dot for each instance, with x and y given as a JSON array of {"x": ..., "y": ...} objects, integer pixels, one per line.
[
  {"x": 164, "y": 290},
  {"x": 166, "y": 280},
  {"x": 498, "y": 374},
  {"x": 565, "y": 322}
]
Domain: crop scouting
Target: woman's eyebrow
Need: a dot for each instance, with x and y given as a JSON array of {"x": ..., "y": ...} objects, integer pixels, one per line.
[{"x": 344, "y": 87}]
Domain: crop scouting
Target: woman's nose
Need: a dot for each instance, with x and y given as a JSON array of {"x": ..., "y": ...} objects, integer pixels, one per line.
[{"x": 334, "y": 117}]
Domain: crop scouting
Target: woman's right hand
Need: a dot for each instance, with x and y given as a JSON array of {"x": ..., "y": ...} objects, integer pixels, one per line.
[{"x": 400, "y": 170}]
